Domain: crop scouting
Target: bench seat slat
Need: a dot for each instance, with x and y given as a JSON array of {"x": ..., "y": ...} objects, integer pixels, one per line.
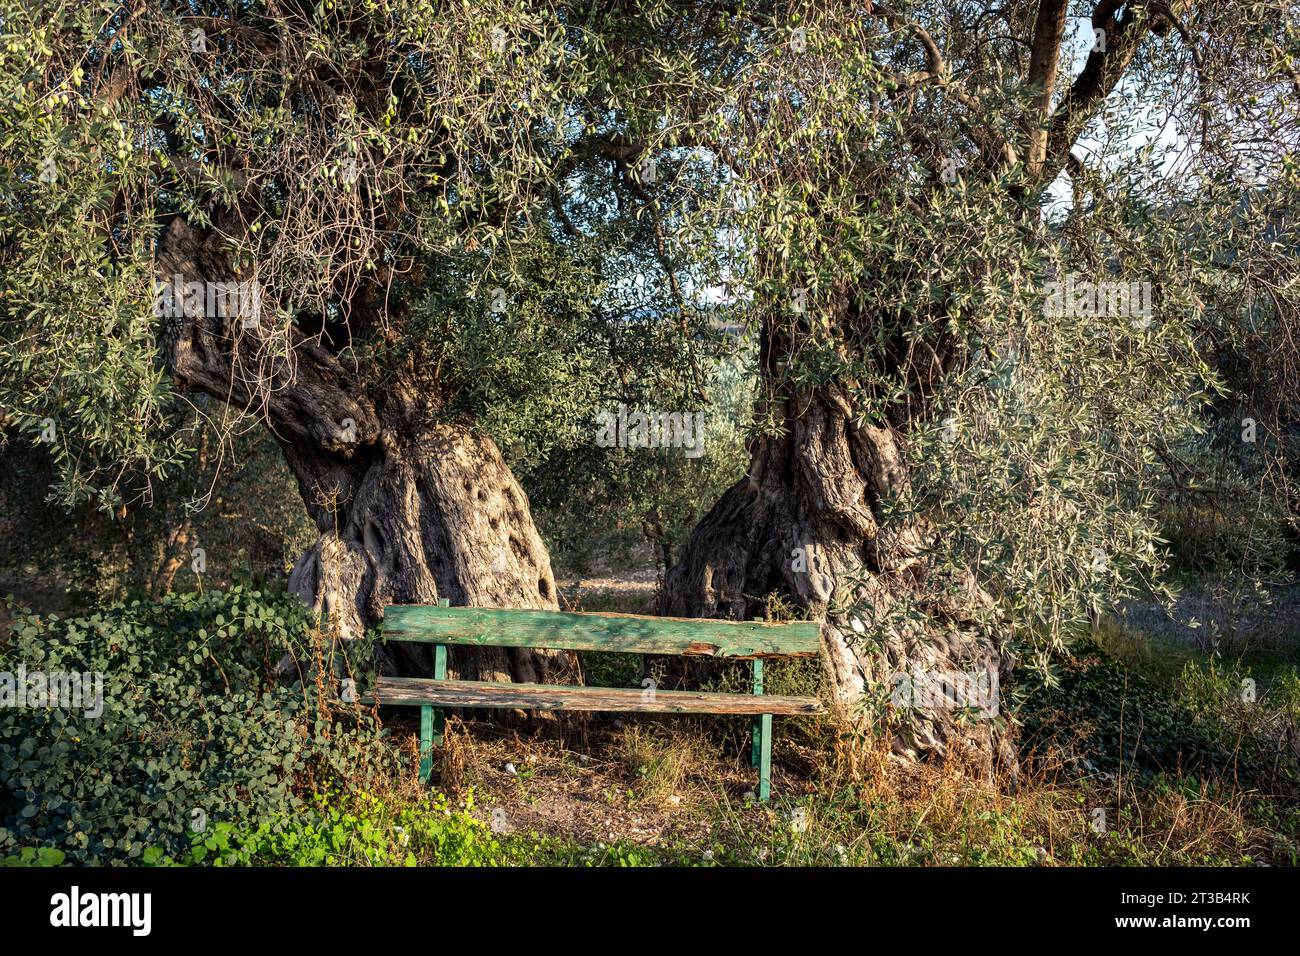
[
  {"x": 456, "y": 693},
  {"x": 589, "y": 631}
]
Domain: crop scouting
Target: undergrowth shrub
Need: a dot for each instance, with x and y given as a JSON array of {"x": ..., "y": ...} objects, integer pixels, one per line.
[
  {"x": 1107, "y": 719},
  {"x": 200, "y": 724},
  {"x": 363, "y": 828},
  {"x": 1259, "y": 720}
]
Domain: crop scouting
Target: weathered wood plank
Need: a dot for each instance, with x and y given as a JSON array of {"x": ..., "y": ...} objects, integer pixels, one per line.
[
  {"x": 455, "y": 693},
  {"x": 587, "y": 631}
]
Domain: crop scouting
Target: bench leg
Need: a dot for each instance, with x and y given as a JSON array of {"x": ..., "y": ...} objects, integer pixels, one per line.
[
  {"x": 431, "y": 718},
  {"x": 760, "y": 748},
  {"x": 765, "y": 758},
  {"x": 431, "y": 725},
  {"x": 426, "y": 744}
]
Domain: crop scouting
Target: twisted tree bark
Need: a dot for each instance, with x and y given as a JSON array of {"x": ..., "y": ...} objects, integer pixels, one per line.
[
  {"x": 408, "y": 511},
  {"x": 807, "y": 524},
  {"x": 422, "y": 516}
]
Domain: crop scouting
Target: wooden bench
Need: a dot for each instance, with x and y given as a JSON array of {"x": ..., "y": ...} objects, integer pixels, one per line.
[{"x": 442, "y": 626}]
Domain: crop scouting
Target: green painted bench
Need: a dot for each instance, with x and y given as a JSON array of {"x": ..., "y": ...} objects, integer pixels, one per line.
[{"x": 442, "y": 625}]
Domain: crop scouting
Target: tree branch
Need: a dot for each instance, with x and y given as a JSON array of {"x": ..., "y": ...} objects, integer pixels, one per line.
[
  {"x": 1100, "y": 74},
  {"x": 1044, "y": 61}
]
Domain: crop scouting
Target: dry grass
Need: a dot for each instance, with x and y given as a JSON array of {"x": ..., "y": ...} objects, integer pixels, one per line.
[
  {"x": 936, "y": 814},
  {"x": 639, "y": 782},
  {"x": 669, "y": 784},
  {"x": 666, "y": 767}
]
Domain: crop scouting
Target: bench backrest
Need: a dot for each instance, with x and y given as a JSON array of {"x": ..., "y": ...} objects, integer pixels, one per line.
[{"x": 588, "y": 631}]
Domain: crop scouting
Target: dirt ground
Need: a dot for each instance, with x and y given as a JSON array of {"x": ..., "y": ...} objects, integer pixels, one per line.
[
  {"x": 632, "y": 593},
  {"x": 589, "y": 789}
]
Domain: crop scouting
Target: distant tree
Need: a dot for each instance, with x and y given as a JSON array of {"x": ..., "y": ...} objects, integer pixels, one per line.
[{"x": 610, "y": 505}]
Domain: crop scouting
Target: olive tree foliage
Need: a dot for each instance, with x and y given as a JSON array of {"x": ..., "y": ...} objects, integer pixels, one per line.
[
  {"x": 339, "y": 139},
  {"x": 944, "y": 474},
  {"x": 400, "y": 183},
  {"x": 948, "y": 471}
]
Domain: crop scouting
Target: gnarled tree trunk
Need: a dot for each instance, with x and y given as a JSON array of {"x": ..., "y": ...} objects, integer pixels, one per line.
[
  {"x": 418, "y": 517},
  {"x": 408, "y": 511},
  {"x": 807, "y": 524}
]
